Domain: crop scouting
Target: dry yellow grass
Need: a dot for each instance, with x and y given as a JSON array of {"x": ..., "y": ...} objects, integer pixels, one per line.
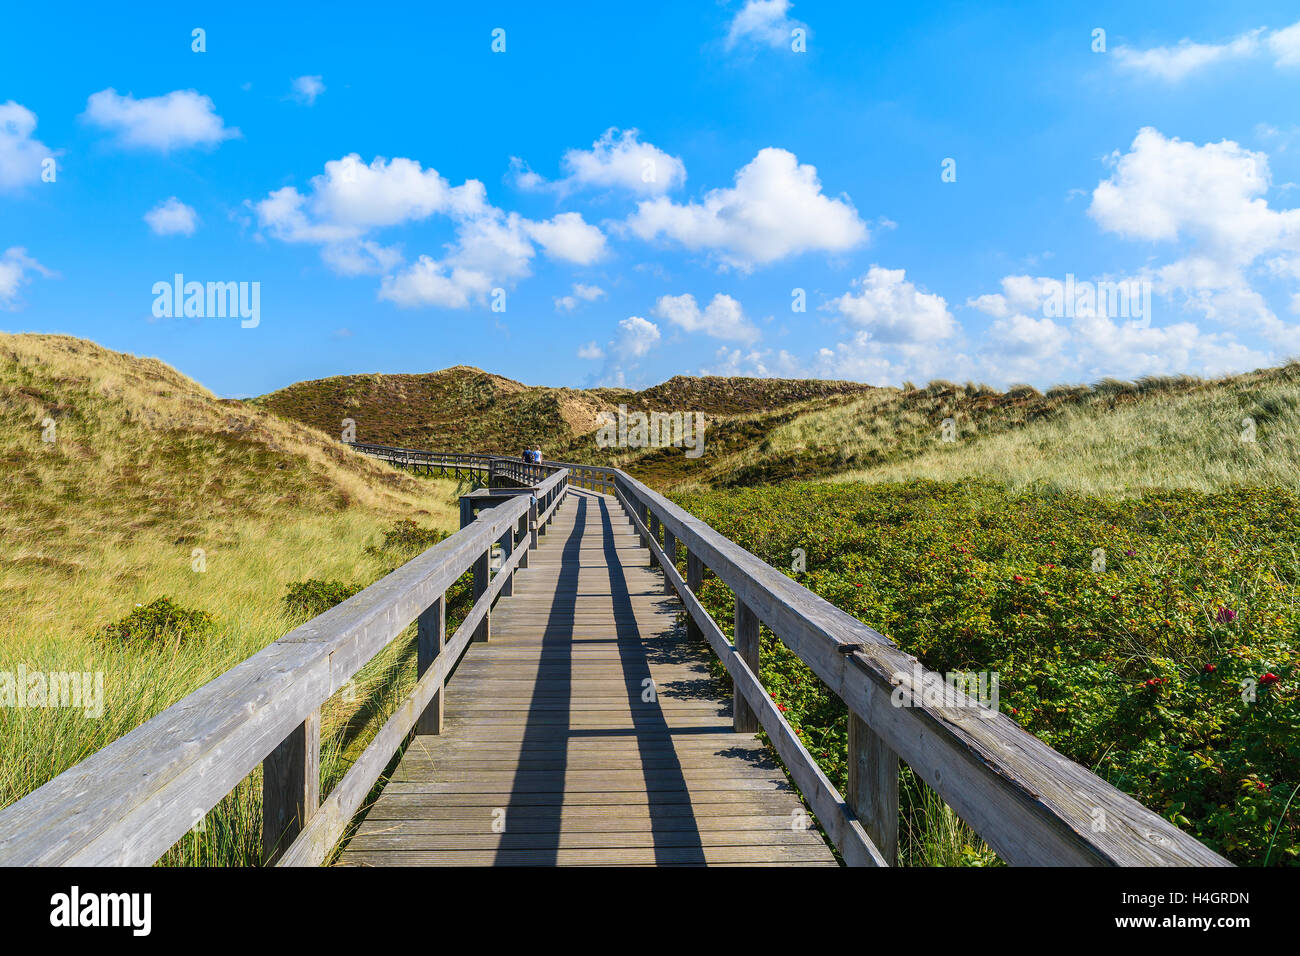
[
  {"x": 1238, "y": 432},
  {"x": 151, "y": 486}
]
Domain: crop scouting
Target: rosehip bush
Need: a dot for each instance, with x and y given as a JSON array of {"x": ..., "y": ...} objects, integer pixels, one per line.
[{"x": 1152, "y": 640}]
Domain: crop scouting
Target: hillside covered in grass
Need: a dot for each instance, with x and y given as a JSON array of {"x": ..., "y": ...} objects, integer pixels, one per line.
[
  {"x": 1112, "y": 437},
  {"x": 465, "y": 409},
  {"x": 150, "y": 532}
]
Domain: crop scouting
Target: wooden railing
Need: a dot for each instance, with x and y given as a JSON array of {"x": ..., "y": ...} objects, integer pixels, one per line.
[
  {"x": 419, "y": 460},
  {"x": 492, "y": 467},
  {"x": 592, "y": 477},
  {"x": 128, "y": 803},
  {"x": 132, "y": 800},
  {"x": 1031, "y": 804}
]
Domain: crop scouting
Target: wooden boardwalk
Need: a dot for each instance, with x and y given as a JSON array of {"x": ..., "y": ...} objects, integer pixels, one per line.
[{"x": 586, "y": 732}]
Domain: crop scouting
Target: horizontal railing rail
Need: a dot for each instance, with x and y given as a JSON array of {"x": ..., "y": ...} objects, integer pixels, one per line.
[
  {"x": 494, "y": 466},
  {"x": 131, "y": 801},
  {"x": 592, "y": 477}
]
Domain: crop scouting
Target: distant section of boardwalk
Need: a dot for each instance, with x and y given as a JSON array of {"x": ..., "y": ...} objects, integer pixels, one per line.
[{"x": 586, "y": 732}]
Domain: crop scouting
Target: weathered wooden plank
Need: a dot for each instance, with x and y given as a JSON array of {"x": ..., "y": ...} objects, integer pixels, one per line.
[
  {"x": 873, "y": 786},
  {"x": 431, "y": 636},
  {"x": 127, "y": 803},
  {"x": 400, "y": 837},
  {"x": 473, "y": 820},
  {"x": 694, "y": 579},
  {"x": 290, "y": 787},
  {"x": 747, "y": 647},
  {"x": 698, "y": 800},
  {"x": 630, "y": 760},
  {"x": 482, "y": 576},
  {"x": 624, "y": 856}
]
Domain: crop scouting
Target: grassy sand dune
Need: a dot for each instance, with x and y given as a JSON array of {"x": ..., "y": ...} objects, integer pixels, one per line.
[
  {"x": 152, "y": 487},
  {"x": 1243, "y": 431}
]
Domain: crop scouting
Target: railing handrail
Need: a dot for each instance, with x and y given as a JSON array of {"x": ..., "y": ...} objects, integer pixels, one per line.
[{"x": 132, "y": 800}]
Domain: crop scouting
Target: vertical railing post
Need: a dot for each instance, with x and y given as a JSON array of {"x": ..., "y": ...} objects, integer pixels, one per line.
[
  {"x": 522, "y": 537},
  {"x": 532, "y": 521},
  {"x": 290, "y": 787},
  {"x": 482, "y": 575},
  {"x": 873, "y": 786},
  {"x": 744, "y": 719},
  {"x": 507, "y": 543},
  {"x": 694, "y": 579},
  {"x": 482, "y": 572},
  {"x": 654, "y": 535},
  {"x": 430, "y": 636},
  {"x": 670, "y": 552},
  {"x": 641, "y": 513}
]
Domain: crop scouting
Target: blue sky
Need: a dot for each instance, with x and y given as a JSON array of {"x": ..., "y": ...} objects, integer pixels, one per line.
[{"x": 639, "y": 191}]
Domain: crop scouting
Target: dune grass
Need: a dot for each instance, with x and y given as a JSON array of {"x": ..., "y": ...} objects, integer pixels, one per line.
[
  {"x": 151, "y": 487},
  {"x": 1206, "y": 440}
]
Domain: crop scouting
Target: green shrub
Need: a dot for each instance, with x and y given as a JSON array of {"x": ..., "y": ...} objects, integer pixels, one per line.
[
  {"x": 1133, "y": 667},
  {"x": 307, "y": 599},
  {"x": 164, "y": 621},
  {"x": 407, "y": 539}
]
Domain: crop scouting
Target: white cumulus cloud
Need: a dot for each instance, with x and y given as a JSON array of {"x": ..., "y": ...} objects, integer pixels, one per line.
[
  {"x": 762, "y": 23},
  {"x": 722, "y": 318},
  {"x": 1285, "y": 45},
  {"x": 172, "y": 218},
  {"x": 1163, "y": 188},
  {"x": 581, "y": 293},
  {"x": 636, "y": 337},
  {"x": 615, "y": 161},
  {"x": 754, "y": 364},
  {"x": 568, "y": 237},
  {"x": 492, "y": 248},
  {"x": 776, "y": 209},
  {"x": 178, "y": 120},
  {"x": 1211, "y": 198},
  {"x": 362, "y": 257},
  {"x": 351, "y": 198},
  {"x": 893, "y": 309},
  {"x": 21, "y": 155},
  {"x": 1173, "y": 63}
]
